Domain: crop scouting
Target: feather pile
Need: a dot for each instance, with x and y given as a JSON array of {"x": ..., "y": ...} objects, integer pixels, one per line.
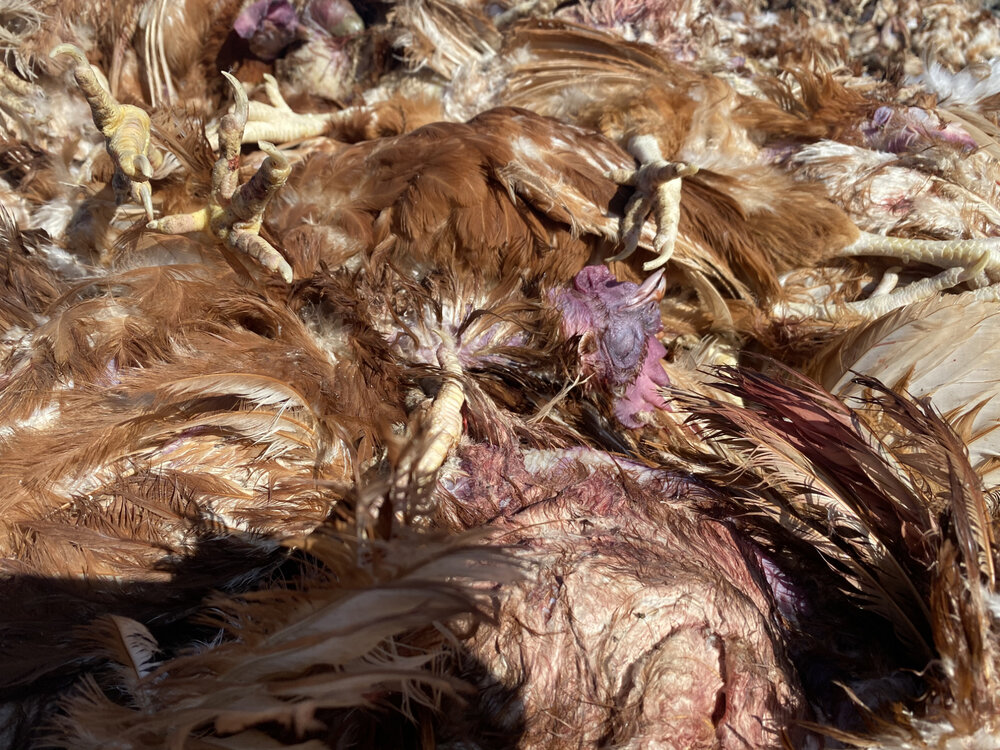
[{"x": 512, "y": 374}]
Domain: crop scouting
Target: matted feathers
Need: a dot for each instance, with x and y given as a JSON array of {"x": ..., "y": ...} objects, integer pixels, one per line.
[{"x": 902, "y": 523}]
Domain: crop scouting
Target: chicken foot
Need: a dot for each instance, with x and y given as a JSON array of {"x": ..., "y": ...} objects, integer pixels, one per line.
[
  {"x": 884, "y": 299},
  {"x": 975, "y": 262},
  {"x": 657, "y": 185},
  {"x": 440, "y": 422},
  {"x": 940, "y": 253},
  {"x": 276, "y": 122},
  {"x": 235, "y": 213},
  {"x": 126, "y": 131}
]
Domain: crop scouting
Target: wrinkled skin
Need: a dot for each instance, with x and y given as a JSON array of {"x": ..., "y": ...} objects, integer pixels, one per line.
[
  {"x": 269, "y": 26},
  {"x": 617, "y": 325},
  {"x": 641, "y": 623}
]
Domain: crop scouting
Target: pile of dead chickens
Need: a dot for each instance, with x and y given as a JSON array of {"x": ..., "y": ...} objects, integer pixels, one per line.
[{"x": 439, "y": 373}]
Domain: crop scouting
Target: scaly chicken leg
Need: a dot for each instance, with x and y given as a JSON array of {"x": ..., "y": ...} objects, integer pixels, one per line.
[
  {"x": 15, "y": 93},
  {"x": 441, "y": 421},
  {"x": 126, "y": 131},
  {"x": 277, "y": 121},
  {"x": 657, "y": 185},
  {"x": 972, "y": 261},
  {"x": 235, "y": 214},
  {"x": 940, "y": 253}
]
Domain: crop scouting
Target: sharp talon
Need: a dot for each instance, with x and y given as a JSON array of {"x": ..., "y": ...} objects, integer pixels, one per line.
[
  {"x": 236, "y": 212},
  {"x": 977, "y": 268},
  {"x": 69, "y": 49},
  {"x": 623, "y": 255},
  {"x": 126, "y": 131},
  {"x": 659, "y": 261},
  {"x": 263, "y": 252},
  {"x": 139, "y": 167},
  {"x": 279, "y": 167},
  {"x": 242, "y": 108},
  {"x": 145, "y": 196}
]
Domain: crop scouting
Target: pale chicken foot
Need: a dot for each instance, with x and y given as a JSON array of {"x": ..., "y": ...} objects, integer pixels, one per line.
[
  {"x": 235, "y": 213},
  {"x": 657, "y": 184},
  {"x": 940, "y": 253},
  {"x": 275, "y": 121},
  {"x": 975, "y": 262},
  {"x": 883, "y": 300},
  {"x": 440, "y": 423},
  {"x": 126, "y": 131}
]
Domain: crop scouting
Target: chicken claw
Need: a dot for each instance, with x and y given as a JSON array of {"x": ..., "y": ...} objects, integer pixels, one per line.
[
  {"x": 442, "y": 422},
  {"x": 975, "y": 262},
  {"x": 444, "y": 418},
  {"x": 940, "y": 253},
  {"x": 126, "y": 130},
  {"x": 278, "y": 122},
  {"x": 658, "y": 193},
  {"x": 235, "y": 213}
]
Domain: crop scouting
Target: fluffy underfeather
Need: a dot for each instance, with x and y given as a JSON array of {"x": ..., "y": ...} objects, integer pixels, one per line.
[{"x": 966, "y": 87}]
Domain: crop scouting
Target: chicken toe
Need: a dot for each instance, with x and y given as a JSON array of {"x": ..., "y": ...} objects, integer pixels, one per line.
[
  {"x": 235, "y": 215},
  {"x": 126, "y": 130},
  {"x": 657, "y": 185},
  {"x": 941, "y": 253}
]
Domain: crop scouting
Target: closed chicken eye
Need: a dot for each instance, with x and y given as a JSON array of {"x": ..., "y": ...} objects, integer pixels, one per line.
[{"x": 625, "y": 346}]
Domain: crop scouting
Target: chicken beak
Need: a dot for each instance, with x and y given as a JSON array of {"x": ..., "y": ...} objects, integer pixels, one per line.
[{"x": 651, "y": 290}]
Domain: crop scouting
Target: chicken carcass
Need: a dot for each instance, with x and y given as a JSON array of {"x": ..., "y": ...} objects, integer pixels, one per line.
[{"x": 409, "y": 341}]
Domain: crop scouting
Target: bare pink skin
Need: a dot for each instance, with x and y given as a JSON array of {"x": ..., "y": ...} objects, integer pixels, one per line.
[
  {"x": 618, "y": 323},
  {"x": 641, "y": 623}
]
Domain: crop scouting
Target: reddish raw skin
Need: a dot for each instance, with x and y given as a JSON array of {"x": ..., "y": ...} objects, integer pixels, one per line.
[{"x": 641, "y": 624}]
